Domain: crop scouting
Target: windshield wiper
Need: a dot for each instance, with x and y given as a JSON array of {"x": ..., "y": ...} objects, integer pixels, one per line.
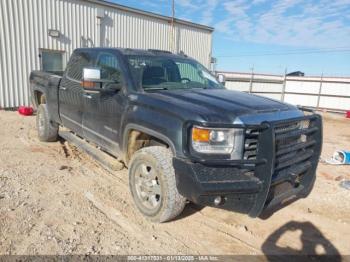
[
  {"x": 155, "y": 88},
  {"x": 198, "y": 87}
]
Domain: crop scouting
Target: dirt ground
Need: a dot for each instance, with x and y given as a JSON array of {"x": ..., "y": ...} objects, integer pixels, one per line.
[{"x": 56, "y": 200}]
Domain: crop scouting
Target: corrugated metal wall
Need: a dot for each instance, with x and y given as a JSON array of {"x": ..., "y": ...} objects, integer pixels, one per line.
[
  {"x": 331, "y": 93},
  {"x": 24, "y": 29}
]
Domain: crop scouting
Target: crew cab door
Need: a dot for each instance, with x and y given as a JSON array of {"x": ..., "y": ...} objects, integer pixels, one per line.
[
  {"x": 71, "y": 92},
  {"x": 103, "y": 110}
]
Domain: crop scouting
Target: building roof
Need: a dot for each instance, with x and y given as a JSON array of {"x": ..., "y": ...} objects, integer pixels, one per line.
[{"x": 150, "y": 14}]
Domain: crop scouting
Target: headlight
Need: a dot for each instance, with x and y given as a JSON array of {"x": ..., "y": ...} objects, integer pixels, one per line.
[{"x": 217, "y": 140}]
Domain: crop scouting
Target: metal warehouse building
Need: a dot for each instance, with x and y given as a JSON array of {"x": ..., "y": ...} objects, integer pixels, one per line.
[{"x": 41, "y": 34}]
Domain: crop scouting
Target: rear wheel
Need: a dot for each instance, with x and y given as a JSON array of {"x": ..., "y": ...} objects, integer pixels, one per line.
[
  {"x": 47, "y": 130},
  {"x": 153, "y": 186}
]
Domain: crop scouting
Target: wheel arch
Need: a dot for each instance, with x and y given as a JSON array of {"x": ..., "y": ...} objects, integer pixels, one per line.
[
  {"x": 39, "y": 97},
  {"x": 129, "y": 136}
]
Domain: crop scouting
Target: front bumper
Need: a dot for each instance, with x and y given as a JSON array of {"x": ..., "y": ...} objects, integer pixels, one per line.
[{"x": 279, "y": 175}]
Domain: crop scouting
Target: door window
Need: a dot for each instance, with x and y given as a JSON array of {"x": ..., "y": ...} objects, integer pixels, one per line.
[
  {"x": 78, "y": 61},
  {"x": 110, "y": 67}
]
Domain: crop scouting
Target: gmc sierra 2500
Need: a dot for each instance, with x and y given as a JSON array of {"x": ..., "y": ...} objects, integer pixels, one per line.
[{"x": 181, "y": 134}]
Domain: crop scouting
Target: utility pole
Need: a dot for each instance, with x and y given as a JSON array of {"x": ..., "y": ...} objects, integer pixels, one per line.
[
  {"x": 319, "y": 92},
  {"x": 284, "y": 85},
  {"x": 251, "y": 80},
  {"x": 172, "y": 25}
]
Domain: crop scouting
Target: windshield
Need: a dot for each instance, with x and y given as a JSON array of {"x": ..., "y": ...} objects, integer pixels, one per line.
[{"x": 154, "y": 73}]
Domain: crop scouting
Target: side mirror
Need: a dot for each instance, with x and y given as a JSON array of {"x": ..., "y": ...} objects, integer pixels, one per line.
[
  {"x": 93, "y": 83},
  {"x": 91, "y": 79},
  {"x": 92, "y": 74},
  {"x": 221, "y": 78}
]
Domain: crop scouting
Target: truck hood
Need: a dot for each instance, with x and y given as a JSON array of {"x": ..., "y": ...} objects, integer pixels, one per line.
[{"x": 216, "y": 105}]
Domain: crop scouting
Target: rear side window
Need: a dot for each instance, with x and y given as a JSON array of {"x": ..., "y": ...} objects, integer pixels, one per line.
[
  {"x": 78, "y": 61},
  {"x": 109, "y": 66}
]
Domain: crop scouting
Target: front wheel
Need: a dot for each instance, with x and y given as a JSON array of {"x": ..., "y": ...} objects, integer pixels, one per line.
[{"x": 153, "y": 186}]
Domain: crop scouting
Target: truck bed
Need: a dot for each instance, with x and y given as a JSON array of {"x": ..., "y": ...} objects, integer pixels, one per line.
[{"x": 44, "y": 85}]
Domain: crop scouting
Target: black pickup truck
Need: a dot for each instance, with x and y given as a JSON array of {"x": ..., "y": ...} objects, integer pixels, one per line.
[{"x": 181, "y": 134}]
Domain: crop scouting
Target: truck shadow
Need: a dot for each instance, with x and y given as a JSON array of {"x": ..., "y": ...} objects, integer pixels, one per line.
[
  {"x": 312, "y": 240},
  {"x": 190, "y": 209}
]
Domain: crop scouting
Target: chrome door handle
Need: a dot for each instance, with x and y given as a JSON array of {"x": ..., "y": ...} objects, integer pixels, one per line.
[
  {"x": 63, "y": 88},
  {"x": 87, "y": 96}
]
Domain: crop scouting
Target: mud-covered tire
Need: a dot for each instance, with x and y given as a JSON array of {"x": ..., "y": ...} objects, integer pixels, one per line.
[
  {"x": 47, "y": 130},
  {"x": 155, "y": 163}
]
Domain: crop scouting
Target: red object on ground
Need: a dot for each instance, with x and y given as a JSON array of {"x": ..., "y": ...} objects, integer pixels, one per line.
[
  {"x": 348, "y": 114},
  {"x": 25, "y": 110}
]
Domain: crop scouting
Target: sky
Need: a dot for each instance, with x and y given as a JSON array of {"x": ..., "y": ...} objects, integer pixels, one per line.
[{"x": 269, "y": 36}]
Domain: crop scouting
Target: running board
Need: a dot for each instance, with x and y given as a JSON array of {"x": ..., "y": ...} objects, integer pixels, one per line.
[{"x": 106, "y": 160}]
